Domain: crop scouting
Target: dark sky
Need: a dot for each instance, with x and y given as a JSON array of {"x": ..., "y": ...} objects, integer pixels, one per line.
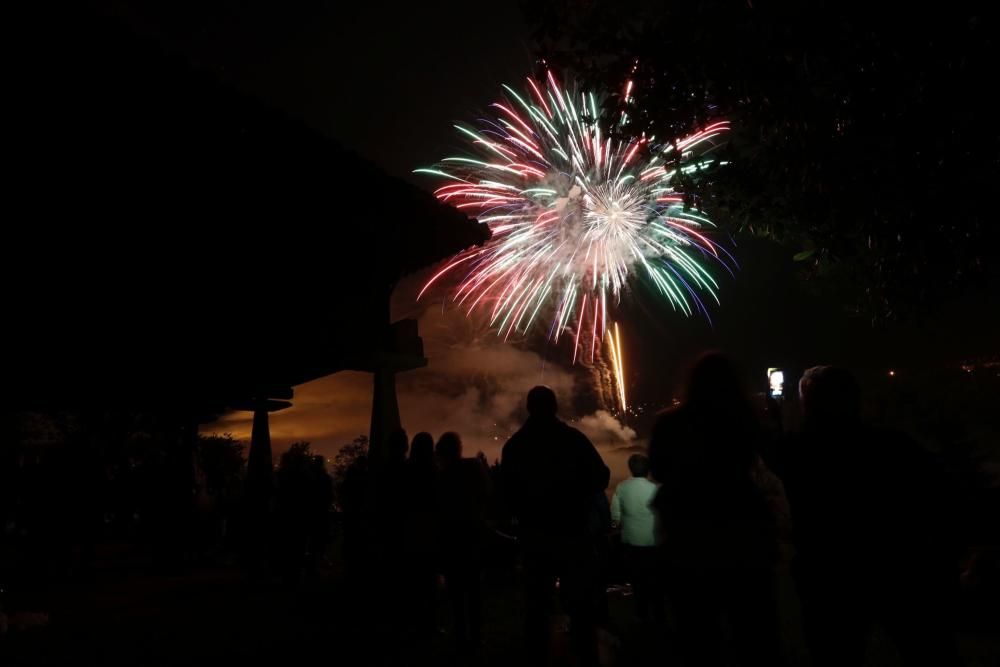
[{"x": 386, "y": 79}]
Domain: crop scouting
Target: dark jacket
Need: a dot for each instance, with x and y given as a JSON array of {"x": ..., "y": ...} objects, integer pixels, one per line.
[{"x": 550, "y": 473}]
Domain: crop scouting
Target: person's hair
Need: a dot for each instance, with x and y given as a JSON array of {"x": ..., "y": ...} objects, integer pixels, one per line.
[
  {"x": 397, "y": 444},
  {"x": 720, "y": 410},
  {"x": 714, "y": 384},
  {"x": 829, "y": 394},
  {"x": 422, "y": 447},
  {"x": 638, "y": 465},
  {"x": 542, "y": 402},
  {"x": 449, "y": 446}
]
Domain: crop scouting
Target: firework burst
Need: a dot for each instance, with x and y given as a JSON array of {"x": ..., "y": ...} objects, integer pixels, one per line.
[{"x": 575, "y": 214}]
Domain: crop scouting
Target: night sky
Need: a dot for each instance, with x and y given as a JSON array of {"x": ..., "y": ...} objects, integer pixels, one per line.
[
  {"x": 385, "y": 79},
  {"x": 388, "y": 82}
]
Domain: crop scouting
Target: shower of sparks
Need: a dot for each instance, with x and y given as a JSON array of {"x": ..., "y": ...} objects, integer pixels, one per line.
[{"x": 576, "y": 214}]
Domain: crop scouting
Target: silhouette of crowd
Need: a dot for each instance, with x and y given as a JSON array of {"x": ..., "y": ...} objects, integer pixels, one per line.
[
  {"x": 723, "y": 513},
  {"x": 722, "y": 503}
]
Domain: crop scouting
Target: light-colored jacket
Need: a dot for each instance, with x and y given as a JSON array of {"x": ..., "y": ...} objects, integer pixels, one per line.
[{"x": 631, "y": 507}]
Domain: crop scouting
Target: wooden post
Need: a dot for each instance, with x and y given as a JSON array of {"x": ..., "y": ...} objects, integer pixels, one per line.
[{"x": 385, "y": 412}]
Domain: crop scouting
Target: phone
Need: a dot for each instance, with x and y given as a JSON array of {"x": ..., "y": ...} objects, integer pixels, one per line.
[{"x": 776, "y": 382}]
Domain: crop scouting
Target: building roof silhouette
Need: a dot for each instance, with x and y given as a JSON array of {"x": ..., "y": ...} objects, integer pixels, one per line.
[{"x": 178, "y": 243}]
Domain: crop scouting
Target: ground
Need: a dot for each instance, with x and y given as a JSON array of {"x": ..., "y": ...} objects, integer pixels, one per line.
[{"x": 123, "y": 614}]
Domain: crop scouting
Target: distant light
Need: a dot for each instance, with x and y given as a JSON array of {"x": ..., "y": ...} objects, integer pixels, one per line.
[{"x": 892, "y": 374}]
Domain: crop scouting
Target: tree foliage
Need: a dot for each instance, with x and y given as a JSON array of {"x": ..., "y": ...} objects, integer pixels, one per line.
[
  {"x": 862, "y": 133},
  {"x": 222, "y": 462},
  {"x": 348, "y": 455}
]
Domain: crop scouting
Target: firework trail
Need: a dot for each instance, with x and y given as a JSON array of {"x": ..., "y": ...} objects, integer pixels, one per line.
[{"x": 617, "y": 365}]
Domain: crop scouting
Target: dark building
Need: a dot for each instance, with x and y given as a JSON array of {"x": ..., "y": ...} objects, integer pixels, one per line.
[{"x": 175, "y": 247}]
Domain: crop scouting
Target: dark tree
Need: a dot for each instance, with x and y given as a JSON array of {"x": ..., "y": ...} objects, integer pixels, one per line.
[
  {"x": 304, "y": 500},
  {"x": 296, "y": 458},
  {"x": 347, "y": 455},
  {"x": 220, "y": 472},
  {"x": 222, "y": 462},
  {"x": 862, "y": 133}
]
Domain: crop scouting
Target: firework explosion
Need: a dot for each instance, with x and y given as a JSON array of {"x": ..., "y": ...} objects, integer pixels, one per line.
[{"x": 575, "y": 214}]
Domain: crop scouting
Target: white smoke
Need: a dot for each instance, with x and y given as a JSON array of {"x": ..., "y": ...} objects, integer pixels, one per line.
[{"x": 604, "y": 428}]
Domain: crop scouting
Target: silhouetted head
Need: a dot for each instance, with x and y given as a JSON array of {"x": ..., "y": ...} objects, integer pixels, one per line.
[
  {"x": 449, "y": 447},
  {"x": 723, "y": 418},
  {"x": 714, "y": 385},
  {"x": 422, "y": 448},
  {"x": 638, "y": 465},
  {"x": 830, "y": 395},
  {"x": 397, "y": 445},
  {"x": 542, "y": 402}
]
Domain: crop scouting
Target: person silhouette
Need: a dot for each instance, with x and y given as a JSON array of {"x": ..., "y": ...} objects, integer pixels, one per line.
[
  {"x": 353, "y": 499},
  {"x": 422, "y": 450},
  {"x": 720, "y": 546},
  {"x": 551, "y": 473},
  {"x": 421, "y": 540},
  {"x": 462, "y": 492},
  {"x": 869, "y": 519},
  {"x": 388, "y": 530}
]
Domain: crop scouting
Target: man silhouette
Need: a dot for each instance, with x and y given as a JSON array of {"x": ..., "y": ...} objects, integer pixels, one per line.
[{"x": 550, "y": 473}]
